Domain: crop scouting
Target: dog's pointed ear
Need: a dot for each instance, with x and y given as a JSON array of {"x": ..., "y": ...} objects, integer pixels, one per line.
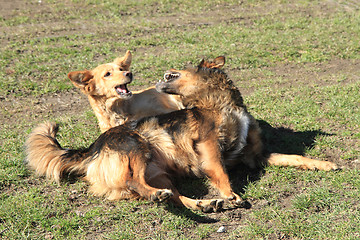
[
  {"x": 202, "y": 63},
  {"x": 124, "y": 61},
  {"x": 80, "y": 78},
  {"x": 218, "y": 62}
]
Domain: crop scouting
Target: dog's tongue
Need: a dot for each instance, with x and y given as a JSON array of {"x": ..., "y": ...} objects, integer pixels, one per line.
[{"x": 122, "y": 89}]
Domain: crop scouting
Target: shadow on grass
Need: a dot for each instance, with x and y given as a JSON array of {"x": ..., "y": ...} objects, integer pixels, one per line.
[
  {"x": 286, "y": 141},
  {"x": 275, "y": 140},
  {"x": 187, "y": 213}
]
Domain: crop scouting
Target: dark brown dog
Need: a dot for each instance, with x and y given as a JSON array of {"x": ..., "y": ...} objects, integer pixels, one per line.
[{"x": 139, "y": 158}]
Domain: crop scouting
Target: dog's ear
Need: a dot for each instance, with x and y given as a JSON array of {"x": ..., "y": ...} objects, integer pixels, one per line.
[
  {"x": 124, "y": 61},
  {"x": 81, "y": 79},
  {"x": 202, "y": 63},
  {"x": 218, "y": 62}
]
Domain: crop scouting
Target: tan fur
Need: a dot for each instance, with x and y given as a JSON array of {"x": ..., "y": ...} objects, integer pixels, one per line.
[
  {"x": 113, "y": 109},
  {"x": 43, "y": 150},
  {"x": 109, "y": 172},
  {"x": 139, "y": 158},
  {"x": 218, "y": 92}
]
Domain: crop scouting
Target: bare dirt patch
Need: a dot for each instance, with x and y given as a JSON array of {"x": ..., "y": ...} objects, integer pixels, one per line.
[
  {"x": 31, "y": 109},
  {"x": 292, "y": 75},
  {"x": 38, "y": 108}
]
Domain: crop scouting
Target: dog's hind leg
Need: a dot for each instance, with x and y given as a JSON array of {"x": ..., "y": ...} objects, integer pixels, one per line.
[
  {"x": 158, "y": 178},
  {"x": 121, "y": 176},
  {"x": 211, "y": 165},
  {"x": 136, "y": 180},
  {"x": 300, "y": 162}
]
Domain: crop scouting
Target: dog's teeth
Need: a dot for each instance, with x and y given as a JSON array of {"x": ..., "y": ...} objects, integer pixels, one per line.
[
  {"x": 166, "y": 76},
  {"x": 170, "y": 76}
]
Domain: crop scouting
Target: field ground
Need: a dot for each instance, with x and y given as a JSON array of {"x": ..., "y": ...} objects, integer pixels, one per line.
[{"x": 297, "y": 64}]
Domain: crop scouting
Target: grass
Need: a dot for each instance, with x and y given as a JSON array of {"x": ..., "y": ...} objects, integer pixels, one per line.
[{"x": 296, "y": 62}]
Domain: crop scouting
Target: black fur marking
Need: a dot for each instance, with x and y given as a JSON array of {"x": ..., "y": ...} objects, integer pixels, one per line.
[
  {"x": 121, "y": 139},
  {"x": 174, "y": 121}
]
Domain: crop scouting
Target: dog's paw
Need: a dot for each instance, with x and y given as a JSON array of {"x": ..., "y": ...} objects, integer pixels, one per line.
[
  {"x": 327, "y": 166},
  {"x": 237, "y": 201},
  {"x": 208, "y": 206},
  {"x": 242, "y": 204},
  {"x": 217, "y": 204},
  {"x": 320, "y": 165},
  {"x": 161, "y": 195}
]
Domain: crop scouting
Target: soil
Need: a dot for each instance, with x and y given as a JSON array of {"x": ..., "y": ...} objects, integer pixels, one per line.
[{"x": 72, "y": 102}]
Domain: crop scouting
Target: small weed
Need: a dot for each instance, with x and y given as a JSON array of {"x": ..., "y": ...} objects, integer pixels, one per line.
[{"x": 296, "y": 62}]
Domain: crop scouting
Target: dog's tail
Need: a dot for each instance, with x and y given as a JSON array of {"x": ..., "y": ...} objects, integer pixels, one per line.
[
  {"x": 47, "y": 157},
  {"x": 300, "y": 162}
]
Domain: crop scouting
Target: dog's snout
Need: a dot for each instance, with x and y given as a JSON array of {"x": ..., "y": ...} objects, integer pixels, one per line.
[{"x": 128, "y": 74}]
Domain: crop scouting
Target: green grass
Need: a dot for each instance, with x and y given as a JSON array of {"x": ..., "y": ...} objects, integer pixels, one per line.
[
  {"x": 297, "y": 63},
  {"x": 314, "y": 210}
]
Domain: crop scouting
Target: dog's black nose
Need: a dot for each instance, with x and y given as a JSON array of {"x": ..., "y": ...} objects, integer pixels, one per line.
[{"x": 128, "y": 74}]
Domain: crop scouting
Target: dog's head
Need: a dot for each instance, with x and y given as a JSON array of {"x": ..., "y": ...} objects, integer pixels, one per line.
[
  {"x": 108, "y": 79},
  {"x": 190, "y": 81}
]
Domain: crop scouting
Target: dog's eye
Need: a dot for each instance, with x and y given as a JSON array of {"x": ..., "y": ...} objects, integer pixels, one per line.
[
  {"x": 107, "y": 74},
  {"x": 121, "y": 69}
]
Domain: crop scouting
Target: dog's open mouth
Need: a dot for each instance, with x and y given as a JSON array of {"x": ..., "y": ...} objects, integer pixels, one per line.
[
  {"x": 167, "y": 86},
  {"x": 168, "y": 76},
  {"x": 122, "y": 90}
]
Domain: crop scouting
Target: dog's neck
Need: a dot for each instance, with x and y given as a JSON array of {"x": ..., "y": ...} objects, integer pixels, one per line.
[
  {"x": 216, "y": 100},
  {"x": 103, "y": 109},
  {"x": 219, "y": 94},
  {"x": 225, "y": 105}
]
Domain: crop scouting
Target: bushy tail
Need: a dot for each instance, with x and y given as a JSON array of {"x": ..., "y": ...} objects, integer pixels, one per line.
[{"x": 47, "y": 157}]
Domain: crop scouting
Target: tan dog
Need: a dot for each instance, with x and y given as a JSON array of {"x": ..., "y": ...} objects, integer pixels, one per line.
[
  {"x": 113, "y": 104},
  {"x": 140, "y": 158}
]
